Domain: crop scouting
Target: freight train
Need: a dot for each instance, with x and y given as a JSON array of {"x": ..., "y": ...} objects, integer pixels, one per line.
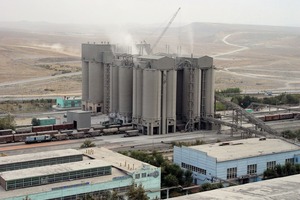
[
  {"x": 282, "y": 116},
  {"x": 56, "y": 133}
]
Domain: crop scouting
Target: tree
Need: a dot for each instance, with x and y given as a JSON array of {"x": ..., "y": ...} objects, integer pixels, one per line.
[
  {"x": 87, "y": 144},
  {"x": 137, "y": 193},
  {"x": 7, "y": 122},
  {"x": 35, "y": 122}
]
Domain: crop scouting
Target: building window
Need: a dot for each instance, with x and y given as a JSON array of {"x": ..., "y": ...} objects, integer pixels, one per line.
[
  {"x": 289, "y": 160},
  {"x": 193, "y": 168},
  {"x": 137, "y": 176},
  {"x": 252, "y": 169},
  {"x": 271, "y": 165},
  {"x": 231, "y": 173},
  {"x": 144, "y": 175}
]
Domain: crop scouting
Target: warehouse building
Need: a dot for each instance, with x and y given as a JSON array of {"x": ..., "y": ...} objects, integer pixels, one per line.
[
  {"x": 100, "y": 171},
  {"x": 157, "y": 94},
  {"x": 239, "y": 161},
  {"x": 9, "y": 163}
]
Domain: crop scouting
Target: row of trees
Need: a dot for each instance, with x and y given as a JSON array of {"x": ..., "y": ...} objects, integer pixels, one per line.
[
  {"x": 291, "y": 134},
  {"x": 282, "y": 170},
  {"x": 171, "y": 174}
]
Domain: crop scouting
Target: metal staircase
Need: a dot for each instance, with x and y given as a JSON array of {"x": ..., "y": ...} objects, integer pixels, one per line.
[{"x": 252, "y": 119}]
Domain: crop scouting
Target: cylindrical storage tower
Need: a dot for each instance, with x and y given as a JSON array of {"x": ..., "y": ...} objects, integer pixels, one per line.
[
  {"x": 209, "y": 89},
  {"x": 171, "y": 100},
  {"x": 171, "y": 93},
  {"x": 137, "y": 94},
  {"x": 197, "y": 93},
  {"x": 85, "y": 81},
  {"x": 125, "y": 93},
  {"x": 151, "y": 94},
  {"x": 114, "y": 83},
  {"x": 96, "y": 82}
]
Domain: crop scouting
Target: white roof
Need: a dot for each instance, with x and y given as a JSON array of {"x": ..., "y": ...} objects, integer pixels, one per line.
[
  {"x": 38, "y": 156},
  {"x": 245, "y": 148},
  {"x": 278, "y": 188},
  {"x": 116, "y": 159},
  {"x": 52, "y": 169}
]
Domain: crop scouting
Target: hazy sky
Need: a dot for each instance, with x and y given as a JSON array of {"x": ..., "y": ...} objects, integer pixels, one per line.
[{"x": 262, "y": 12}]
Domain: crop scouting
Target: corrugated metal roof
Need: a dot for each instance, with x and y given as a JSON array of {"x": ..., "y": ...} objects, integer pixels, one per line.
[{"x": 38, "y": 156}]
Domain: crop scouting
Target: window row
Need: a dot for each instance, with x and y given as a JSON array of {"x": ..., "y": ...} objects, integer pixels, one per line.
[
  {"x": 137, "y": 176},
  {"x": 28, "y": 182},
  {"x": 37, "y": 163},
  {"x": 193, "y": 168}
]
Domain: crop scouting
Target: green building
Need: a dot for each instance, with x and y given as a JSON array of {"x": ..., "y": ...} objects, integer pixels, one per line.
[
  {"x": 68, "y": 102},
  {"x": 46, "y": 121}
]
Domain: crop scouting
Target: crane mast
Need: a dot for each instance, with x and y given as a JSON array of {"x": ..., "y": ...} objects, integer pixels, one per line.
[{"x": 164, "y": 31}]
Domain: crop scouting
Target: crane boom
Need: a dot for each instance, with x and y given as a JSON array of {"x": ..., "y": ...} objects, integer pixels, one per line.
[{"x": 164, "y": 31}]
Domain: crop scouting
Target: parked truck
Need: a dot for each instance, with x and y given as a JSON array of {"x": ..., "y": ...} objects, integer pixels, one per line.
[{"x": 131, "y": 133}]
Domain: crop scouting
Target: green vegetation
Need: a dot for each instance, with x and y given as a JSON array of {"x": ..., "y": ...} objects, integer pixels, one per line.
[
  {"x": 198, "y": 142},
  {"x": 282, "y": 170},
  {"x": 291, "y": 134},
  {"x": 136, "y": 193},
  {"x": 103, "y": 195},
  {"x": 87, "y": 144},
  {"x": 171, "y": 174},
  {"x": 7, "y": 122},
  {"x": 220, "y": 106},
  {"x": 282, "y": 99},
  {"x": 229, "y": 91},
  {"x": 210, "y": 186}
]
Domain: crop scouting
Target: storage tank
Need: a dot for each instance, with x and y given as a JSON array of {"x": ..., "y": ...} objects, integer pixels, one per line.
[
  {"x": 151, "y": 94},
  {"x": 137, "y": 94},
  {"x": 171, "y": 93},
  {"x": 114, "y": 82},
  {"x": 96, "y": 82},
  {"x": 125, "y": 91},
  {"x": 85, "y": 81},
  {"x": 210, "y": 91}
]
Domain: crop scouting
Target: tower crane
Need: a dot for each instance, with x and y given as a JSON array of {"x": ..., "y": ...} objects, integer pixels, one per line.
[{"x": 164, "y": 31}]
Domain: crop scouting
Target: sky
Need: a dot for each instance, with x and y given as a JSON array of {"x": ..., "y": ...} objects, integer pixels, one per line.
[{"x": 103, "y": 12}]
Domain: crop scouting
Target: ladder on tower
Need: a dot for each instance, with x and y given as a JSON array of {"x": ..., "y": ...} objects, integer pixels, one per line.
[{"x": 106, "y": 88}]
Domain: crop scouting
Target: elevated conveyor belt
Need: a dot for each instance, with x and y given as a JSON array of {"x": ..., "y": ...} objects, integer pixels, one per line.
[{"x": 252, "y": 119}]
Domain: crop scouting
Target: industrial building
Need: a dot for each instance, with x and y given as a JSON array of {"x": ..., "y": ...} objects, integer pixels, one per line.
[
  {"x": 239, "y": 161},
  {"x": 157, "y": 94},
  {"x": 68, "y": 102},
  {"x": 97, "y": 172}
]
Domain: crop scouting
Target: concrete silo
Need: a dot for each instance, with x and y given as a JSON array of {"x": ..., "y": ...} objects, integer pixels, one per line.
[
  {"x": 85, "y": 84},
  {"x": 171, "y": 101},
  {"x": 125, "y": 93},
  {"x": 137, "y": 96},
  {"x": 151, "y": 105},
  {"x": 114, "y": 86},
  {"x": 96, "y": 92}
]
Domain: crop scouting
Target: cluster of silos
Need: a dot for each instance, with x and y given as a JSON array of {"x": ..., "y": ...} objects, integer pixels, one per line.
[
  {"x": 154, "y": 95},
  {"x": 95, "y": 59},
  {"x": 157, "y": 94}
]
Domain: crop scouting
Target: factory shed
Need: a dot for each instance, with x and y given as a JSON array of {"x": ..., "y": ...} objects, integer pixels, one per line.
[
  {"x": 239, "y": 161},
  {"x": 23, "y": 161},
  {"x": 23, "y": 178}
]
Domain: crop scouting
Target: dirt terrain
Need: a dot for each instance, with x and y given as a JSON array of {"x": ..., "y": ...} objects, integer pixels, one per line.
[{"x": 254, "y": 58}]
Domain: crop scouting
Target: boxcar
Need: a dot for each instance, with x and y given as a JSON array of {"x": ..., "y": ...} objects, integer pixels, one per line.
[
  {"x": 42, "y": 128},
  {"x": 6, "y": 132},
  {"x": 6, "y": 138},
  {"x": 22, "y": 137}
]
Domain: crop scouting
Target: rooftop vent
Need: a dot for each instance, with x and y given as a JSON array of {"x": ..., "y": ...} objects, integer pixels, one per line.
[{"x": 224, "y": 144}]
